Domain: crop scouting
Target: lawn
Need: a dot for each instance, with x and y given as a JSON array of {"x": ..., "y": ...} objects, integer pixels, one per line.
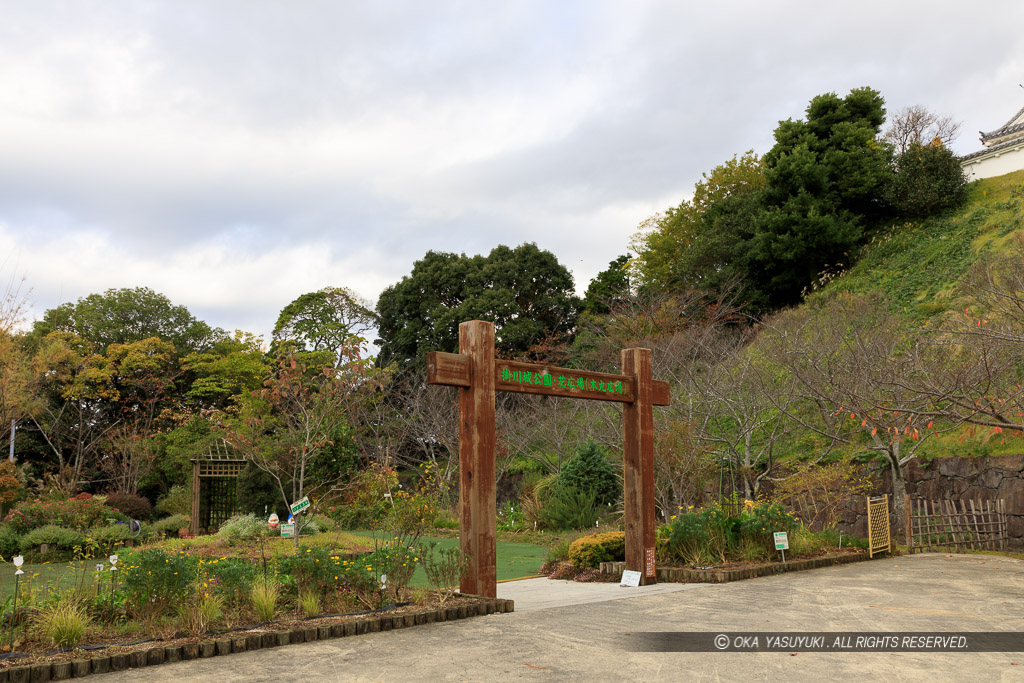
[{"x": 515, "y": 560}]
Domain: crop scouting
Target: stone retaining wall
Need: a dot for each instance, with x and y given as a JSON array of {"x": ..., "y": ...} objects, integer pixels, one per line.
[{"x": 983, "y": 478}]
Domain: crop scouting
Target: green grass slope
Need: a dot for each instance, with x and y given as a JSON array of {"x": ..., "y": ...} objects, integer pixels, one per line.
[{"x": 918, "y": 264}]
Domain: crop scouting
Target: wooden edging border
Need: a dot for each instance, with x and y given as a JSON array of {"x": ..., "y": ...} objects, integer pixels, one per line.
[
  {"x": 246, "y": 642},
  {"x": 685, "y": 575}
]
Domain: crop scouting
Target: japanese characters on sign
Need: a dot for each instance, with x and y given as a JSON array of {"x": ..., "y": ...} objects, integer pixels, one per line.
[{"x": 510, "y": 376}]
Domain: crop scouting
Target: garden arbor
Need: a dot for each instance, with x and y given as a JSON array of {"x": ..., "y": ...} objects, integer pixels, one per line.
[{"x": 478, "y": 374}]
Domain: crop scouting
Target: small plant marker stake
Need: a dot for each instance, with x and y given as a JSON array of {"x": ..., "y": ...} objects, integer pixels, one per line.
[
  {"x": 113, "y": 577},
  {"x": 18, "y": 561}
]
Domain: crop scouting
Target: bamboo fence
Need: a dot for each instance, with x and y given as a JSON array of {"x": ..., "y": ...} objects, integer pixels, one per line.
[{"x": 934, "y": 525}]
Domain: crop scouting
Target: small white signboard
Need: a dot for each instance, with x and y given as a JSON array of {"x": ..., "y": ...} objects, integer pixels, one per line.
[
  {"x": 287, "y": 530},
  {"x": 630, "y": 578},
  {"x": 781, "y": 540}
]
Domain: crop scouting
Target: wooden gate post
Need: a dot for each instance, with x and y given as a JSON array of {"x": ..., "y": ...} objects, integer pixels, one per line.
[
  {"x": 638, "y": 466},
  {"x": 478, "y": 507}
]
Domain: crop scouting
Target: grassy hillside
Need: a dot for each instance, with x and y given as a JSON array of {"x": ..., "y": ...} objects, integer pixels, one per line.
[{"x": 917, "y": 264}]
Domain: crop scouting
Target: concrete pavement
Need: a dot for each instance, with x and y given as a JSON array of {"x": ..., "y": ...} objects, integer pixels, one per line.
[{"x": 585, "y": 641}]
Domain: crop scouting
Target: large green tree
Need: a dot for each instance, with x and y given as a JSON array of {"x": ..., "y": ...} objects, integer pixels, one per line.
[
  {"x": 123, "y": 316},
  {"x": 524, "y": 290},
  {"x": 325, "y": 321},
  {"x": 825, "y": 178}
]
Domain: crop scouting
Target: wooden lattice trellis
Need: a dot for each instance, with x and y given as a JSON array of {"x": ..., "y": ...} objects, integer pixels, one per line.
[
  {"x": 214, "y": 503},
  {"x": 879, "y": 534}
]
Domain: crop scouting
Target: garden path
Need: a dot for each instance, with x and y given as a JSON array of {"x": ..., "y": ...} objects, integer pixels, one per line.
[{"x": 933, "y": 593}]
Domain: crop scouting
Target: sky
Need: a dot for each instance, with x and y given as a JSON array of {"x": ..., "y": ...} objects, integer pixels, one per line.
[{"x": 235, "y": 154}]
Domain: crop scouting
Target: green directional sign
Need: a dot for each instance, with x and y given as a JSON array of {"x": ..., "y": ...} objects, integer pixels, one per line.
[{"x": 300, "y": 505}]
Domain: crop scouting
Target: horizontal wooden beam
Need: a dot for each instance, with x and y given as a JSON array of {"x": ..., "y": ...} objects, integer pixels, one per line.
[
  {"x": 660, "y": 394},
  {"x": 533, "y": 378},
  {"x": 451, "y": 369}
]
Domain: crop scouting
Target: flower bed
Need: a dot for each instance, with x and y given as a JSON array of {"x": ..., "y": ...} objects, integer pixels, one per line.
[
  {"x": 740, "y": 571},
  {"x": 80, "y": 662}
]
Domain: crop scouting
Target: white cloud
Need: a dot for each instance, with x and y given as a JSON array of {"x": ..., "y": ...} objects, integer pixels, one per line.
[{"x": 233, "y": 155}]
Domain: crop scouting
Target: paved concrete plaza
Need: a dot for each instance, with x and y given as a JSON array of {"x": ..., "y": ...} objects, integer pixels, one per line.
[{"x": 548, "y": 640}]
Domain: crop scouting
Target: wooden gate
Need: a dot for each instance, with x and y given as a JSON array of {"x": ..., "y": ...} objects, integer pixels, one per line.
[
  {"x": 879, "y": 535},
  {"x": 478, "y": 375},
  {"x": 943, "y": 524}
]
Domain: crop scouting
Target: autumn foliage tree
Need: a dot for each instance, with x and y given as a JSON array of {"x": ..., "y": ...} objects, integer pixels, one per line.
[{"x": 288, "y": 428}]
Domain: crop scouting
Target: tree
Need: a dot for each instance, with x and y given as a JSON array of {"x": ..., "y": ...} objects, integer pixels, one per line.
[
  {"x": 700, "y": 243},
  {"x": 824, "y": 179},
  {"x": 859, "y": 367},
  {"x": 289, "y": 427},
  {"x": 123, "y": 316},
  {"x": 928, "y": 179},
  {"x": 144, "y": 375},
  {"x": 608, "y": 287},
  {"x": 915, "y": 125},
  {"x": 741, "y": 402},
  {"x": 524, "y": 291},
  {"x": 231, "y": 366},
  {"x": 983, "y": 384},
  {"x": 325, "y": 321},
  {"x": 72, "y": 407}
]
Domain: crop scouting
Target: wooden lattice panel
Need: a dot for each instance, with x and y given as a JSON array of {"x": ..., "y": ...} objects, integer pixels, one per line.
[
  {"x": 879, "y": 535},
  {"x": 220, "y": 468}
]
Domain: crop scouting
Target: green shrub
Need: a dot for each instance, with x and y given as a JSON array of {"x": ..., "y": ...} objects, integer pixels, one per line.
[
  {"x": 446, "y": 520},
  {"x": 590, "y": 470},
  {"x": 10, "y": 542},
  {"x": 928, "y": 180},
  {"x": 231, "y": 578},
  {"x": 571, "y": 509},
  {"x": 75, "y": 513},
  {"x": 312, "y": 568},
  {"x": 154, "y": 579},
  {"x": 135, "y": 507},
  {"x": 177, "y": 501},
  {"x": 169, "y": 526},
  {"x": 761, "y": 520},
  {"x": 107, "y": 538},
  {"x": 242, "y": 528},
  {"x": 589, "y": 552},
  {"x": 443, "y": 568},
  {"x": 686, "y": 540},
  {"x": 63, "y": 541}
]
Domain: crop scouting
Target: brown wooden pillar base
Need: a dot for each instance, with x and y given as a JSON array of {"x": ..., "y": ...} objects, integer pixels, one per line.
[
  {"x": 638, "y": 466},
  {"x": 477, "y": 514}
]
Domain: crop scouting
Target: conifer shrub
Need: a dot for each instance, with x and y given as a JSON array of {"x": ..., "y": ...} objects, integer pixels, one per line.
[{"x": 589, "y": 470}]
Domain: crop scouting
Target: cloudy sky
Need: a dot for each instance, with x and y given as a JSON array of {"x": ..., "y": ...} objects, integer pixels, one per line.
[{"x": 236, "y": 154}]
